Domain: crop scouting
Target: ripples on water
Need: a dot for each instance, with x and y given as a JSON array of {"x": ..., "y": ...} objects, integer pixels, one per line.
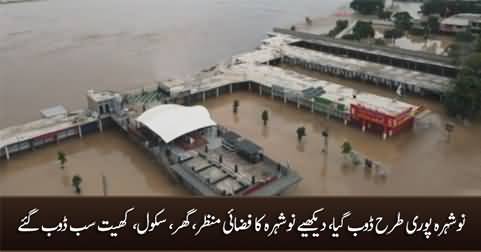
[{"x": 71, "y": 46}]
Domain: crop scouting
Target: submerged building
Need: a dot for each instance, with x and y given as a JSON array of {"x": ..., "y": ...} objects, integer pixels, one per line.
[
  {"x": 462, "y": 22},
  {"x": 213, "y": 161},
  {"x": 206, "y": 157}
]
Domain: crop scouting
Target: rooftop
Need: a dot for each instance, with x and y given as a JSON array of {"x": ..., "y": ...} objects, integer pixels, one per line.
[
  {"x": 171, "y": 121},
  {"x": 99, "y": 96},
  {"x": 41, "y": 127},
  {"x": 415, "y": 78},
  {"x": 462, "y": 19},
  {"x": 404, "y": 54},
  {"x": 234, "y": 174},
  {"x": 58, "y": 110}
]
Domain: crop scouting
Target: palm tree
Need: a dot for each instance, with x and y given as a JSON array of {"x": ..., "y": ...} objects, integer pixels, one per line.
[
  {"x": 61, "y": 157},
  {"x": 301, "y": 132},
  {"x": 265, "y": 117},
  {"x": 235, "y": 106},
  {"x": 76, "y": 180}
]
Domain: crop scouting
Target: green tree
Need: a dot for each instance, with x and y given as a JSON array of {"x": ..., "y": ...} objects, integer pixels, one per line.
[
  {"x": 403, "y": 21},
  {"x": 433, "y": 24},
  {"x": 340, "y": 26},
  {"x": 466, "y": 36},
  {"x": 363, "y": 30},
  {"x": 465, "y": 98},
  {"x": 265, "y": 117},
  {"x": 301, "y": 132},
  {"x": 62, "y": 158},
  {"x": 235, "y": 106},
  {"x": 367, "y": 7},
  {"x": 76, "y": 180}
]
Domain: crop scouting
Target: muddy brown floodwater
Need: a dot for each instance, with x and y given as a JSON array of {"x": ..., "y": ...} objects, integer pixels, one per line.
[
  {"x": 420, "y": 162},
  {"x": 128, "y": 170}
]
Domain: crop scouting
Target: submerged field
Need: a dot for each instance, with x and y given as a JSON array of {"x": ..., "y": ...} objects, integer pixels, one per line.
[{"x": 420, "y": 162}]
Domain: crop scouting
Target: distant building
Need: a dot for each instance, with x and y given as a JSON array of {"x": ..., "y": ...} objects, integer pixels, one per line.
[{"x": 461, "y": 23}]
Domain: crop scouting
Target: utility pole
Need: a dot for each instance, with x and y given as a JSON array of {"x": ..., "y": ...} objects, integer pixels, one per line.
[
  {"x": 325, "y": 134},
  {"x": 104, "y": 184}
]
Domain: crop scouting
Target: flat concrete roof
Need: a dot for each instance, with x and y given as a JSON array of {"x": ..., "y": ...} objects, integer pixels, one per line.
[
  {"x": 462, "y": 19},
  {"x": 399, "y": 53},
  {"x": 100, "y": 96},
  {"x": 31, "y": 130},
  {"x": 411, "y": 77}
]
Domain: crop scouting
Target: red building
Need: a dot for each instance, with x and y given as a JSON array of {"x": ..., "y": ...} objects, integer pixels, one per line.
[{"x": 389, "y": 122}]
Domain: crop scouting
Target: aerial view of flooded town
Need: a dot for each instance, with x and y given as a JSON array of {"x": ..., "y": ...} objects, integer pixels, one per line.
[{"x": 240, "y": 98}]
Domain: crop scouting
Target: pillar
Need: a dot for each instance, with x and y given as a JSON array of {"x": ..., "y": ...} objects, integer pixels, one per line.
[
  {"x": 312, "y": 105},
  {"x": 80, "y": 131},
  {"x": 7, "y": 153},
  {"x": 272, "y": 93},
  {"x": 363, "y": 127},
  {"x": 230, "y": 88},
  {"x": 298, "y": 103},
  {"x": 260, "y": 90},
  {"x": 249, "y": 86},
  {"x": 203, "y": 96},
  {"x": 217, "y": 91},
  {"x": 384, "y": 134},
  {"x": 101, "y": 127},
  {"x": 285, "y": 98},
  {"x": 345, "y": 122}
]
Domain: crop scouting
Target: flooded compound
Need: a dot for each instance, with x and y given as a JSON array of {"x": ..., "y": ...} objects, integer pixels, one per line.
[
  {"x": 128, "y": 170},
  {"x": 418, "y": 162}
]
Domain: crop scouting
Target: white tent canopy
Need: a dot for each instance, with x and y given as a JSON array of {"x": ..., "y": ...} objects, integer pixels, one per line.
[{"x": 171, "y": 121}]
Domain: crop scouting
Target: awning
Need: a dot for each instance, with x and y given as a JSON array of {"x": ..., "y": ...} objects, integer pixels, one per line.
[{"x": 171, "y": 121}]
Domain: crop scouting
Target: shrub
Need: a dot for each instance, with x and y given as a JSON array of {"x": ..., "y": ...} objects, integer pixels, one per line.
[
  {"x": 393, "y": 34},
  {"x": 464, "y": 36}
]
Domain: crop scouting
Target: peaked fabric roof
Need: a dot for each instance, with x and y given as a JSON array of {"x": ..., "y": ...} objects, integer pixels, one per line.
[{"x": 171, "y": 121}]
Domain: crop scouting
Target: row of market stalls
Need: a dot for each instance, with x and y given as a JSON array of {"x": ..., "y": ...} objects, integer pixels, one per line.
[
  {"x": 407, "y": 59},
  {"x": 369, "y": 111},
  {"x": 378, "y": 74}
]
